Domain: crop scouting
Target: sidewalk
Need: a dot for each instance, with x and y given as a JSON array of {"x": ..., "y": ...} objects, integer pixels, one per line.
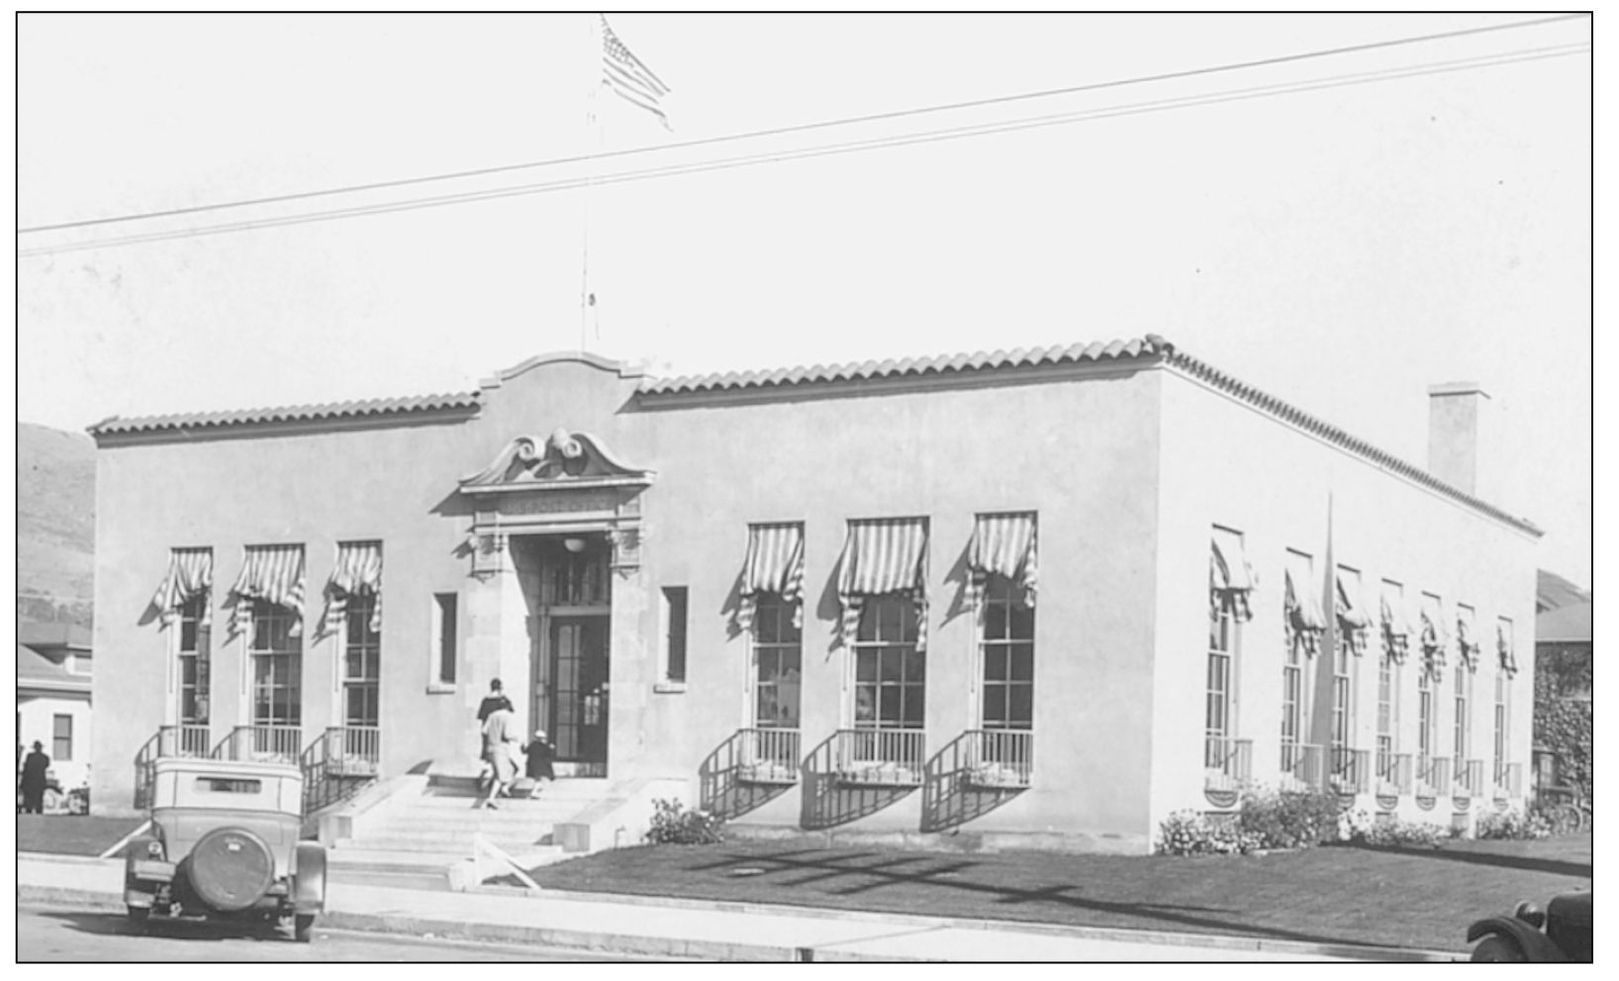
[{"x": 712, "y": 931}]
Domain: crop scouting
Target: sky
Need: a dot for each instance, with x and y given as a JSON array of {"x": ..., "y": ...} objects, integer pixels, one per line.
[{"x": 1342, "y": 231}]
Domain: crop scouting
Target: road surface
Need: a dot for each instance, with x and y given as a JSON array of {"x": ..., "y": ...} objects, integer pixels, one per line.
[{"x": 59, "y": 933}]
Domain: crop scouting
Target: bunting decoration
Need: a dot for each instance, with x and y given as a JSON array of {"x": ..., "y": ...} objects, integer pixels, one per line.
[
  {"x": 1503, "y": 647},
  {"x": 1231, "y": 578},
  {"x": 1352, "y": 619},
  {"x": 1396, "y": 628},
  {"x": 1433, "y": 640},
  {"x": 1302, "y": 609},
  {"x": 1465, "y": 644}
]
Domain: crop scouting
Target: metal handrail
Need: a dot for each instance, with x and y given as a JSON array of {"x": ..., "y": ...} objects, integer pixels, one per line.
[
  {"x": 1394, "y": 773},
  {"x": 1351, "y": 770},
  {"x": 1301, "y": 762},
  {"x": 1001, "y": 757},
  {"x": 279, "y": 744},
  {"x": 1470, "y": 778},
  {"x": 769, "y": 755},
  {"x": 1508, "y": 780},
  {"x": 891, "y": 756},
  {"x": 1433, "y": 775},
  {"x": 1227, "y": 762}
]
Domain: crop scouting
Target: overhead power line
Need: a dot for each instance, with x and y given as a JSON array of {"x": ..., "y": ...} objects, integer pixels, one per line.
[
  {"x": 802, "y": 128},
  {"x": 930, "y": 136}
]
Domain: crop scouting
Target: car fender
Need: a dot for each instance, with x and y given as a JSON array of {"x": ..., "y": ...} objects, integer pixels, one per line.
[
  {"x": 309, "y": 878},
  {"x": 1534, "y": 944}
]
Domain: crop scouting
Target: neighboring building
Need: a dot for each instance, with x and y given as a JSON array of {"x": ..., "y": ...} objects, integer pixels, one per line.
[
  {"x": 53, "y": 697},
  {"x": 1553, "y": 592},
  {"x": 1047, "y": 597},
  {"x": 1564, "y": 670}
]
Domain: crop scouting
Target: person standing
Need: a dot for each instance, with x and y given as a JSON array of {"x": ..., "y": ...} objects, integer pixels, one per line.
[
  {"x": 495, "y": 700},
  {"x": 34, "y": 779},
  {"x": 499, "y": 732}
]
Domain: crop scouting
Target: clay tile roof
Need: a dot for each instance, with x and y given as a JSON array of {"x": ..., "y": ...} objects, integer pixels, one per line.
[{"x": 283, "y": 414}]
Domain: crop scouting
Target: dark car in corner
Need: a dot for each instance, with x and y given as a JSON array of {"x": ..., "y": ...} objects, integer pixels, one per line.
[{"x": 1559, "y": 933}]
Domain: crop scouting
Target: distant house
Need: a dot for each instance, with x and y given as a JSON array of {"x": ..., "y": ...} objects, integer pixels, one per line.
[
  {"x": 1553, "y": 592},
  {"x": 53, "y": 697},
  {"x": 1563, "y": 706}
]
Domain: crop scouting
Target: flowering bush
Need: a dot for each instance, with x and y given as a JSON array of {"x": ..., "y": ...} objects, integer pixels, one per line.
[
  {"x": 1513, "y": 824},
  {"x": 1191, "y": 833},
  {"x": 672, "y": 824},
  {"x": 1400, "y": 834},
  {"x": 1266, "y": 819}
]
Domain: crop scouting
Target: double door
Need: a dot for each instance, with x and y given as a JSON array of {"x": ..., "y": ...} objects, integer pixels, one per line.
[{"x": 573, "y": 695}]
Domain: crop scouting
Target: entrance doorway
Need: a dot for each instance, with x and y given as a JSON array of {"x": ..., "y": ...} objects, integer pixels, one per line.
[{"x": 571, "y": 648}]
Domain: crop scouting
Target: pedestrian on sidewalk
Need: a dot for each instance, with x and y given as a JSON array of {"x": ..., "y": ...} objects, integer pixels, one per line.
[
  {"x": 34, "y": 778},
  {"x": 499, "y": 733},
  {"x": 540, "y": 753},
  {"x": 496, "y": 699}
]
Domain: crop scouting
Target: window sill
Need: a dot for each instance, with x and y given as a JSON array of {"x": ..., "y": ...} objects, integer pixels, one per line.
[
  {"x": 670, "y": 688},
  {"x": 440, "y": 688}
]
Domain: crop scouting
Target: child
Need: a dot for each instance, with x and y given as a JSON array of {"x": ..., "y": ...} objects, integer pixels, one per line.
[{"x": 540, "y": 753}]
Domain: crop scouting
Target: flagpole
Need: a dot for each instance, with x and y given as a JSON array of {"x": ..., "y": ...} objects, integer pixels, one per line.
[{"x": 593, "y": 143}]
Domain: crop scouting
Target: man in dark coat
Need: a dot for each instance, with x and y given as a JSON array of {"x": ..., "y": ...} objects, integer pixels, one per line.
[
  {"x": 492, "y": 703},
  {"x": 33, "y": 780}
]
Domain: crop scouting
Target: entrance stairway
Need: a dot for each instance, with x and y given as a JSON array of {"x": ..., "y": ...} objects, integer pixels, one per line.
[{"x": 417, "y": 835}]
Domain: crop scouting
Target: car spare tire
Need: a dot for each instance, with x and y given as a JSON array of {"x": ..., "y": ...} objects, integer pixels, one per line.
[{"x": 230, "y": 868}]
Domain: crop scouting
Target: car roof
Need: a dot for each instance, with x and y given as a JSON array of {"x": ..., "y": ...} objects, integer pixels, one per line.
[{"x": 246, "y": 768}]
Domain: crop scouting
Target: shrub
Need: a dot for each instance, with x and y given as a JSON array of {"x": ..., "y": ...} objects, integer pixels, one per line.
[
  {"x": 1191, "y": 833},
  {"x": 672, "y": 824},
  {"x": 1401, "y": 834},
  {"x": 1291, "y": 819},
  {"x": 1513, "y": 824}
]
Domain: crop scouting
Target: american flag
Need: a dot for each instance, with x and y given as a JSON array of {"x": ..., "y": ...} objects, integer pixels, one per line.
[{"x": 624, "y": 74}]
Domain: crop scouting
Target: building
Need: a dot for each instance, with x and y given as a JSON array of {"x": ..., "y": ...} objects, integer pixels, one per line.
[
  {"x": 53, "y": 697},
  {"x": 1564, "y": 709},
  {"x": 1045, "y": 597}
]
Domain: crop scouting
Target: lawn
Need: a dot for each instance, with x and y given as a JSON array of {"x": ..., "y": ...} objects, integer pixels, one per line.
[
  {"x": 71, "y": 834},
  {"x": 1339, "y": 894}
]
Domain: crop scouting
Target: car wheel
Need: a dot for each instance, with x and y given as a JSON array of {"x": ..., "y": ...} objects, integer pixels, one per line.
[
  {"x": 302, "y": 925},
  {"x": 1496, "y": 949},
  {"x": 138, "y": 915}
]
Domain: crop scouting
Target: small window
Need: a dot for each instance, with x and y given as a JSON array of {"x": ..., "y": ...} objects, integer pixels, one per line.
[
  {"x": 444, "y": 616},
  {"x": 674, "y": 638},
  {"x": 62, "y": 738}
]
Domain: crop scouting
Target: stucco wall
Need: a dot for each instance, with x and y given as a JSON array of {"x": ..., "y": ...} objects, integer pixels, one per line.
[
  {"x": 36, "y": 720},
  {"x": 1229, "y": 464}
]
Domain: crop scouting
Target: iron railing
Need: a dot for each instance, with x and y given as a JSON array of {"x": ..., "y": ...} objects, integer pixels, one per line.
[
  {"x": 168, "y": 741},
  {"x": 1394, "y": 774},
  {"x": 1301, "y": 766},
  {"x": 879, "y": 756},
  {"x": 1508, "y": 780},
  {"x": 338, "y": 764},
  {"x": 1433, "y": 776},
  {"x": 270, "y": 744},
  {"x": 1000, "y": 757},
  {"x": 1227, "y": 763},
  {"x": 1351, "y": 770},
  {"x": 1470, "y": 778},
  {"x": 768, "y": 755}
]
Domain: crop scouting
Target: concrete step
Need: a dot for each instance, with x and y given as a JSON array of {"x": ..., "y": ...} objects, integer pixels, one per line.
[
  {"x": 447, "y": 840},
  {"x": 560, "y": 789}
]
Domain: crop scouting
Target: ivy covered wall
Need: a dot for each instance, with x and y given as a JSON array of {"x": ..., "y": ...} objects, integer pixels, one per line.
[{"x": 1563, "y": 677}]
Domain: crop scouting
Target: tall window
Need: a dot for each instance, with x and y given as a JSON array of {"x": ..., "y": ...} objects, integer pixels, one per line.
[
  {"x": 1464, "y": 685},
  {"x": 1386, "y": 723},
  {"x": 194, "y": 653},
  {"x": 1500, "y": 727},
  {"x": 362, "y": 662},
  {"x": 1217, "y": 721},
  {"x": 674, "y": 633},
  {"x": 444, "y": 614},
  {"x": 890, "y": 672},
  {"x": 1008, "y": 656},
  {"x": 1341, "y": 717},
  {"x": 777, "y": 667},
  {"x": 580, "y": 578},
  {"x": 1292, "y": 696},
  {"x": 62, "y": 738},
  {"x": 276, "y": 652},
  {"x": 1427, "y": 718}
]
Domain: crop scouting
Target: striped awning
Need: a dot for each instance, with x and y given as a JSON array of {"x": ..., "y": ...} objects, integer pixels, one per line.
[
  {"x": 1231, "y": 578},
  {"x": 882, "y": 556},
  {"x": 1466, "y": 639},
  {"x": 191, "y": 573},
  {"x": 273, "y": 573},
  {"x": 774, "y": 565},
  {"x": 1433, "y": 636},
  {"x": 1349, "y": 608},
  {"x": 1503, "y": 647},
  {"x": 1300, "y": 604},
  {"x": 1004, "y": 545},
  {"x": 358, "y": 571},
  {"x": 1396, "y": 627}
]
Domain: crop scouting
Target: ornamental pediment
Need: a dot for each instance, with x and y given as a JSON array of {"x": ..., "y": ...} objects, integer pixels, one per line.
[{"x": 562, "y": 460}]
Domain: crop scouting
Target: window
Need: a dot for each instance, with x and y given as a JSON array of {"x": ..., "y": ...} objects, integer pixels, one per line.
[
  {"x": 195, "y": 643},
  {"x": 777, "y": 664},
  {"x": 1342, "y": 710},
  {"x": 890, "y": 672},
  {"x": 62, "y": 738},
  {"x": 674, "y": 637},
  {"x": 1387, "y": 725},
  {"x": 1302, "y": 627},
  {"x": 276, "y": 653},
  {"x": 579, "y": 578},
  {"x": 1427, "y": 720},
  {"x": 1008, "y": 656},
  {"x": 1503, "y": 696},
  {"x": 444, "y": 610},
  {"x": 1292, "y": 696},
  {"x": 1463, "y": 688},
  {"x": 1217, "y": 721},
  {"x": 362, "y": 660}
]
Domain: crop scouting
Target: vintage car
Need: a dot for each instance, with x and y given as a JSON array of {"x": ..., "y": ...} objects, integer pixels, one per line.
[
  {"x": 1566, "y": 921},
  {"x": 224, "y": 844}
]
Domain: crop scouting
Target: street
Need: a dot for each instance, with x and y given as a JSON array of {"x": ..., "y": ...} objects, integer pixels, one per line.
[{"x": 59, "y": 933}]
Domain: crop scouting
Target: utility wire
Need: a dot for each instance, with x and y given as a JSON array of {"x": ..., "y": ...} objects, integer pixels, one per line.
[
  {"x": 960, "y": 132},
  {"x": 806, "y": 127}
]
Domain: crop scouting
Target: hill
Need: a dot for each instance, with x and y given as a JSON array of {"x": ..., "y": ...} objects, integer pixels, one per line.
[{"x": 56, "y": 523}]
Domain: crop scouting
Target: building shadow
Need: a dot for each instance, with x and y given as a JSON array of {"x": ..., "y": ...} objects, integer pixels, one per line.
[
  {"x": 948, "y": 798},
  {"x": 721, "y": 786},
  {"x": 959, "y": 581},
  {"x": 1551, "y": 865},
  {"x": 828, "y": 802}
]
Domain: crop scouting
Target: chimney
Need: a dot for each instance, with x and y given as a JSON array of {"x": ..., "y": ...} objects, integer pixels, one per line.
[{"x": 1454, "y": 409}]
